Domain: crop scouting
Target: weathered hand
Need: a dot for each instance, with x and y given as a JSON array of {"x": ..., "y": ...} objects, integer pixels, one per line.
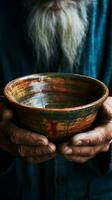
[
  {"x": 85, "y": 146},
  {"x": 32, "y": 147}
]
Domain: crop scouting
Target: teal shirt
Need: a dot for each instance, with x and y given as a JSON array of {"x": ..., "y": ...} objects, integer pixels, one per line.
[{"x": 57, "y": 179}]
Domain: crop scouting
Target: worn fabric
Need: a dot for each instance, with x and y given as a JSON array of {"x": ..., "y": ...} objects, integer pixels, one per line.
[{"x": 57, "y": 179}]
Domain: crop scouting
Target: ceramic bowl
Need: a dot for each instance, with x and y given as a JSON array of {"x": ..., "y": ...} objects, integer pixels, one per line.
[{"x": 56, "y": 105}]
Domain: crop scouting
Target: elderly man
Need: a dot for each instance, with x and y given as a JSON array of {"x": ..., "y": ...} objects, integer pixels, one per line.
[{"x": 71, "y": 36}]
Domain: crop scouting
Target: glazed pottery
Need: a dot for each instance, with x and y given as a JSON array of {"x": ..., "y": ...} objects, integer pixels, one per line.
[{"x": 54, "y": 104}]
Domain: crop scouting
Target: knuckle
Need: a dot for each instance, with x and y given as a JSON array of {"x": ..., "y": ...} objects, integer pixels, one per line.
[
  {"x": 45, "y": 151},
  {"x": 109, "y": 137},
  {"x": 78, "y": 151},
  {"x": 98, "y": 140},
  {"x": 38, "y": 151},
  {"x": 42, "y": 137},
  {"x": 92, "y": 152},
  {"x": 89, "y": 141},
  {"x": 40, "y": 143}
]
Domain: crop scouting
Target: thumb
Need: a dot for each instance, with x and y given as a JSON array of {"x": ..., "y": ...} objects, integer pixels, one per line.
[{"x": 93, "y": 137}]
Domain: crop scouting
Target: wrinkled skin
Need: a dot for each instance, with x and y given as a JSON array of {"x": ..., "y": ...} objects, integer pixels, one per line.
[
  {"x": 85, "y": 146},
  {"x": 36, "y": 148},
  {"x": 30, "y": 146}
]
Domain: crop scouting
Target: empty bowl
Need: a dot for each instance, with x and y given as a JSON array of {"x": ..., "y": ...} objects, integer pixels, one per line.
[{"x": 56, "y": 105}]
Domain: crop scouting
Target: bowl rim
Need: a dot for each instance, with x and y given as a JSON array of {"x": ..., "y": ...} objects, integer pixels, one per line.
[{"x": 100, "y": 100}]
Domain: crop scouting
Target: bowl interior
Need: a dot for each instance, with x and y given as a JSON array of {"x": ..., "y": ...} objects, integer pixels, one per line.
[{"x": 54, "y": 91}]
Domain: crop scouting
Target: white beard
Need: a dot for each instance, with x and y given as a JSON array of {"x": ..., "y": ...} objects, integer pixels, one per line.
[{"x": 63, "y": 30}]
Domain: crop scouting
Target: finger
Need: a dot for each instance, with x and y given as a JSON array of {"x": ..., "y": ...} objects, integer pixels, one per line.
[
  {"x": 93, "y": 137},
  {"x": 89, "y": 151},
  {"x": 85, "y": 151},
  {"x": 26, "y": 151},
  {"x": 39, "y": 159},
  {"x": 22, "y": 136},
  {"x": 76, "y": 159},
  {"x": 64, "y": 148}
]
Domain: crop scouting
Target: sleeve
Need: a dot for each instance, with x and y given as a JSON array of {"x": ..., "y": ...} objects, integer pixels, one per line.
[
  {"x": 100, "y": 47},
  {"x": 6, "y": 159},
  {"x": 107, "y": 62}
]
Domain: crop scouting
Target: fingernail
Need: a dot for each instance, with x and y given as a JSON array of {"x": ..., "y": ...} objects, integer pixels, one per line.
[
  {"x": 51, "y": 147},
  {"x": 67, "y": 151}
]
